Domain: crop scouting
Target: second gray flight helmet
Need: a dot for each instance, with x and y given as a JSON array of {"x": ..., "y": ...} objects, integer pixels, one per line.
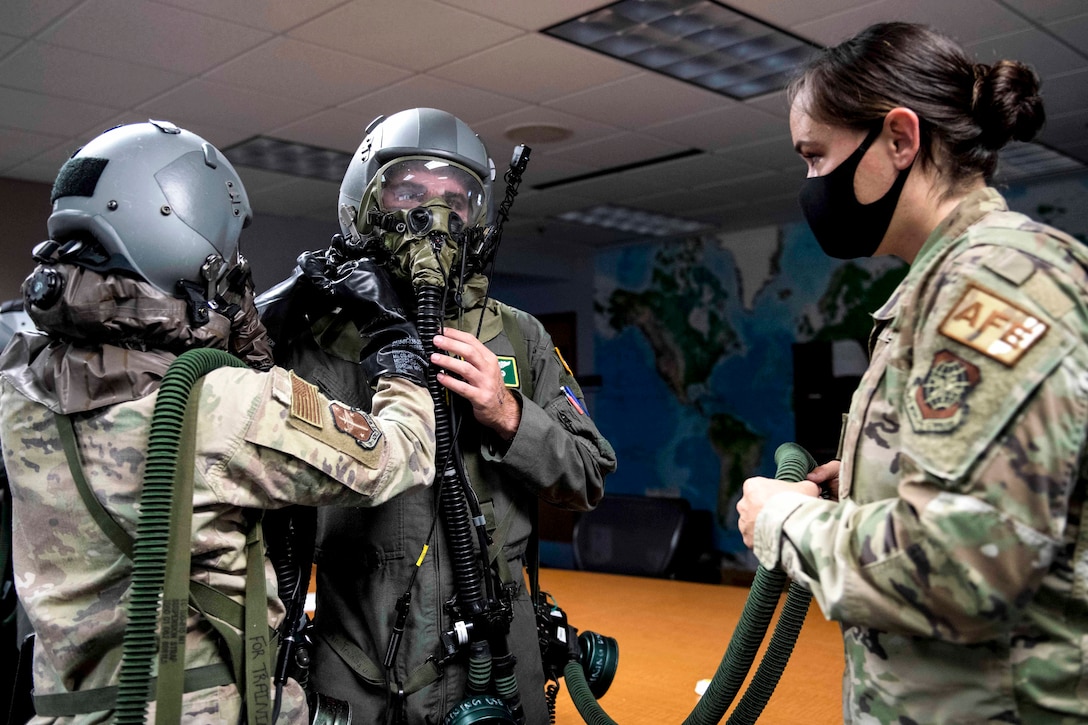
[{"x": 414, "y": 132}]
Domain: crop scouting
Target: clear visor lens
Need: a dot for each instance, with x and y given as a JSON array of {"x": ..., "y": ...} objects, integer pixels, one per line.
[{"x": 411, "y": 182}]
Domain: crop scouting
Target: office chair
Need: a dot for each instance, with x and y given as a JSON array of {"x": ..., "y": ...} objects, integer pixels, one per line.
[{"x": 636, "y": 535}]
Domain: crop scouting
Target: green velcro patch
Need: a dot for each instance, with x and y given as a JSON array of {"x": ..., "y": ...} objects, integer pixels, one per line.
[{"x": 508, "y": 366}]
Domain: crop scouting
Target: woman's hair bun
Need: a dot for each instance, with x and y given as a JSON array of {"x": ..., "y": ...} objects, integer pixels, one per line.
[{"x": 1006, "y": 103}]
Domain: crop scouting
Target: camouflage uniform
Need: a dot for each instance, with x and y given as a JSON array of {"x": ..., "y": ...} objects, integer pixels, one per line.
[
  {"x": 264, "y": 440},
  {"x": 956, "y": 560},
  {"x": 365, "y": 557}
]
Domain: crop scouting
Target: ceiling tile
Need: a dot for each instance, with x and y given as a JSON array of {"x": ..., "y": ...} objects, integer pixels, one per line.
[
  {"x": 775, "y": 154},
  {"x": 624, "y": 102},
  {"x": 736, "y": 124},
  {"x": 1047, "y": 10},
  {"x": 119, "y": 29},
  {"x": 308, "y": 72},
  {"x": 8, "y": 43},
  {"x": 17, "y": 147},
  {"x": 416, "y": 35},
  {"x": 50, "y": 115},
  {"x": 528, "y": 15},
  {"x": 58, "y": 71},
  {"x": 787, "y": 13},
  {"x": 773, "y": 103},
  {"x": 1073, "y": 30},
  {"x": 963, "y": 20},
  {"x": 493, "y": 130},
  {"x": 232, "y": 107},
  {"x": 295, "y": 197},
  {"x": 536, "y": 68},
  {"x": 1064, "y": 130},
  {"x": 334, "y": 128},
  {"x": 617, "y": 150},
  {"x": 678, "y": 202},
  {"x": 542, "y": 168},
  {"x": 661, "y": 178},
  {"x": 26, "y": 17},
  {"x": 275, "y": 16},
  {"x": 1066, "y": 93},
  {"x": 471, "y": 105},
  {"x": 1033, "y": 47}
]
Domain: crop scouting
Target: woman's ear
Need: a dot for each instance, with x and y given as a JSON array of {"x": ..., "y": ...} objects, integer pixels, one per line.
[{"x": 906, "y": 136}]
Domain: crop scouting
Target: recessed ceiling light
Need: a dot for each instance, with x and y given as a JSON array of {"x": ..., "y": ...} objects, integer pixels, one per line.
[
  {"x": 537, "y": 133},
  {"x": 288, "y": 157},
  {"x": 698, "y": 41}
]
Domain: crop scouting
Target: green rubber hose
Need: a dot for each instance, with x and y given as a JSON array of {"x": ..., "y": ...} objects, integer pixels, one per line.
[
  {"x": 153, "y": 528},
  {"x": 792, "y": 464}
]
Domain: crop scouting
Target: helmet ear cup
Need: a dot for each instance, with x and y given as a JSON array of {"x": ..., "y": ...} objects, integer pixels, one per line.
[{"x": 43, "y": 288}]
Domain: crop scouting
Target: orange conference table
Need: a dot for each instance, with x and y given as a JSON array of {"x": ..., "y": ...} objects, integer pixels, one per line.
[{"x": 672, "y": 634}]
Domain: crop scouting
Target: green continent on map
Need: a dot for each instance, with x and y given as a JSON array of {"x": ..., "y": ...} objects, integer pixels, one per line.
[
  {"x": 852, "y": 295},
  {"x": 679, "y": 314},
  {"x": 739, "y": 450}
]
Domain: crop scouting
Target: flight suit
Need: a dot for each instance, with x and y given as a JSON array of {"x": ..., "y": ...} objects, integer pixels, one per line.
[
  {"x": 957, "y": 558},
  {"x": 365, "y": 559}
]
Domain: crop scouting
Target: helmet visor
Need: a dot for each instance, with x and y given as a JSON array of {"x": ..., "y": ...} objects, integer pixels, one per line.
[{"x": 414, "y": 181}]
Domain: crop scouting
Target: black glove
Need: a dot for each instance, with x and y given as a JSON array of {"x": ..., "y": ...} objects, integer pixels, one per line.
[{"x": 365, "y": 292}]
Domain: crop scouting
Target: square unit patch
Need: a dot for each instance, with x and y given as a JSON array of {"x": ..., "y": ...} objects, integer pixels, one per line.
[{"x": 994, "y": 326}]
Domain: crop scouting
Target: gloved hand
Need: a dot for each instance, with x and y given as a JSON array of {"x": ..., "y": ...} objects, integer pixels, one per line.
[
  {"x": 364, "y": 290},
  {"x": 249, "y": 339}
]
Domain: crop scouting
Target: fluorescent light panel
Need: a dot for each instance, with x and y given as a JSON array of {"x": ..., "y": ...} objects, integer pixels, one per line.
[
  {"x": 698, "y": 41},
  {"x": 636, "y": 221},
  {"x": 288, "y": 157},
  {"x": 1025, "y": 160}
]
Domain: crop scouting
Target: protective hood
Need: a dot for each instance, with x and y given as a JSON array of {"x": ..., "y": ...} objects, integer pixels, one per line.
[{"x": 110, "y": 337}]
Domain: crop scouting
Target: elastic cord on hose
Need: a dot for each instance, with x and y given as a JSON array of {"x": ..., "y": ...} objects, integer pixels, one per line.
[{"x": 153, "y": 529}]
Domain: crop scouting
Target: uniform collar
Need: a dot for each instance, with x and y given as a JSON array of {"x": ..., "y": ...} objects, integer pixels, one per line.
[{"x": 969, "y": 211}]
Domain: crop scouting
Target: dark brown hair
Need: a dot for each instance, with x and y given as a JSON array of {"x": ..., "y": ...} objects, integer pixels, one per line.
[{"x": 966, "y": 110}]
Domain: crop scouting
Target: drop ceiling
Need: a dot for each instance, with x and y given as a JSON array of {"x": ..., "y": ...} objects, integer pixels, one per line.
[{"x": 316, "y": 72}]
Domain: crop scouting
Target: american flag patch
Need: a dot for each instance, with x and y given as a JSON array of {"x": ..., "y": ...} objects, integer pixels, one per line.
[{"x": 305, "y": 401}]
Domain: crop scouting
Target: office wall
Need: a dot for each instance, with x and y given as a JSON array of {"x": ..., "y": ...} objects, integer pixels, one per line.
[{"x": 696, "y": 340}]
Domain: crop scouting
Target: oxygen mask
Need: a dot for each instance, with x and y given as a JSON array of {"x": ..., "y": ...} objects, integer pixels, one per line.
[
  {"x": 423, "y": 243},
  {"x": 424, "y": 207}
]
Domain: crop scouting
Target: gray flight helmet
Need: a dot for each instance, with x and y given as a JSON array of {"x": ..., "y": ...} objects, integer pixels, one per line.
[
  {"x": 414, "y": 132},
  {"x": 160, "y": 201}
]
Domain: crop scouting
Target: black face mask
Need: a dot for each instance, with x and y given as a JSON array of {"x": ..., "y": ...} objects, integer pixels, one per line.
[{"x": 844, "y": 227}]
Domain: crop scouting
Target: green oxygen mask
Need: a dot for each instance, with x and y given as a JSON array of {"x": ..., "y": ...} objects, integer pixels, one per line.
[{"x": 423, "y": 243}]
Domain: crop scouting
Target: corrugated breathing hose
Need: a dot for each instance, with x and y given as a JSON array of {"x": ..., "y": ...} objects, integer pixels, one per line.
[
  {"x": 793, "y": 463},
  {"x": 153, "y": 528}
]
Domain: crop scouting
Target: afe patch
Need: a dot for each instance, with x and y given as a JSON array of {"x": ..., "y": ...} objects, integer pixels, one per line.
[
  {"x": 305, "y": 401},
  {"x": 994, "y": 326},
  {"x": 508, "y": 367},
  {"x": 938, "y": 403},
  {"x": 355, "y": 423}
]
